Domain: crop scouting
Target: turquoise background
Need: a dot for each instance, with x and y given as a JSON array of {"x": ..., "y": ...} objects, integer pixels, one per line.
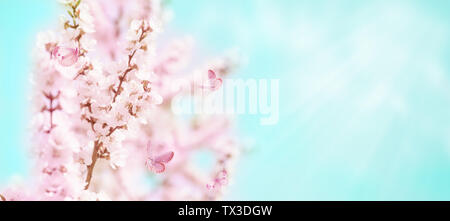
[{"x": 364, "y": 93}]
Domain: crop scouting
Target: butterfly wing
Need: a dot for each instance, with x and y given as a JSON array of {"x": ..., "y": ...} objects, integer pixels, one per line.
[
  {"x": 155, "y": 166},
  {"x": 215, "y": 84},
  {"x": 214, "y": 81},
  {"x": 165, "y": 158},
  {"x": 211, "y": 74}
]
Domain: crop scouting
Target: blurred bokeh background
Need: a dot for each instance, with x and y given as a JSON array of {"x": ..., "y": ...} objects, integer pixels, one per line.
[{"x": 364, "y": 92}]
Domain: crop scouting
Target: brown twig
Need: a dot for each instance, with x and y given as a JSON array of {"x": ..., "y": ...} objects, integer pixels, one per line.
[
  {"x": 51, "y": 109},
  {"x": 122, "y": 78},
  {"x": 85, "y": 68},
  {"x": 74, "y": 14},
  {"x": 90, "y": 168},
  {"x": 112, "y": 130},
  {"x": 2, "y": 197}
]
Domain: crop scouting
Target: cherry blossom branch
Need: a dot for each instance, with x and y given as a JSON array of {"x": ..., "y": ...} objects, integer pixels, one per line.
[
  {"x": 122, "y": 78},
  {"x": 74, "y": 14},
  {"x": 91, "y": 167},
  {"x": 85, "y": 68},
  {"x": 95, "y": 107},
  {"x": 113, "y": 129},
  {"x": 130, "y": 67},
  {"x": 51, "y": 109}
]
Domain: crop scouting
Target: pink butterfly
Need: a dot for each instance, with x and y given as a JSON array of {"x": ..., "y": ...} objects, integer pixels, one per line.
[
  {"x": 156, "y": 164},
  {"x": 220, "y": 180},
  {"x": 64, "y": 55},
  {"x": 213, "y": 82}
]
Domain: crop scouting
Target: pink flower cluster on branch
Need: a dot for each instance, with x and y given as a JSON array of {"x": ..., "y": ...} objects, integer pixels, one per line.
[{"x": 102, "y": 124}]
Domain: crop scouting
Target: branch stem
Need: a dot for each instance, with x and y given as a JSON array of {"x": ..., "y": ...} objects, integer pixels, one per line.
[{"x": 91, "y": 167}]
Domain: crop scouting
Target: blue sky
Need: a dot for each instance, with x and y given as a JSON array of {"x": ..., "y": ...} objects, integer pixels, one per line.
[{"x": 364, "y": 93}]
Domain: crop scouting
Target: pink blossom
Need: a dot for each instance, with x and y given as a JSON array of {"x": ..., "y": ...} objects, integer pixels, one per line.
[{"x": 220, "y": 180}]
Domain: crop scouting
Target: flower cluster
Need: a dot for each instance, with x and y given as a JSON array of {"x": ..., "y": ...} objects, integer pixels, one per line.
[{"x": 102, "y": 126}]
